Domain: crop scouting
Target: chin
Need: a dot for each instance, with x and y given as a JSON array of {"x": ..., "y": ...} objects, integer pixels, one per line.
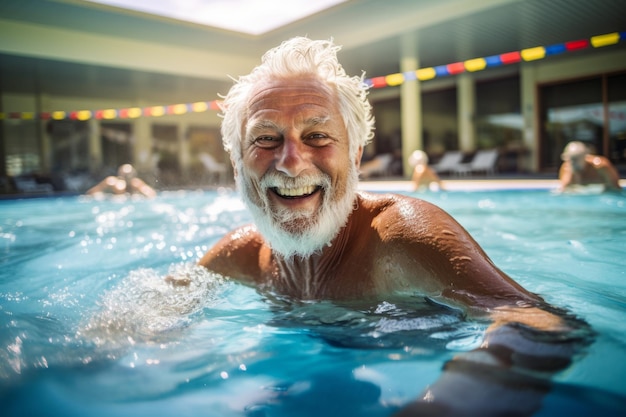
[{"x": 301, "y": 233}]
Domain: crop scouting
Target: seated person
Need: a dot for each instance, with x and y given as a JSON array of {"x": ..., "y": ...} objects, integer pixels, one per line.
[
  {"x": 126, "y": 182},
  {"x": 581, "y": 168},
  {"x": 424, "y": 177}
]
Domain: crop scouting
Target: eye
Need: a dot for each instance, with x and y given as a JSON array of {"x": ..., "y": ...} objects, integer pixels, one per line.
[
  {"x": 267, "y": 142},
  {"x": 317, "y": 139}
]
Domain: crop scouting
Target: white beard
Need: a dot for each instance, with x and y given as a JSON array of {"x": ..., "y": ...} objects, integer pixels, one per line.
[{"x": 298, "y": 232}]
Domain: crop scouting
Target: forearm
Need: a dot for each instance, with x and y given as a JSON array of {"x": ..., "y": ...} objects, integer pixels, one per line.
[
  {"x": 478, "y": 385},
  {"x": 508, "y": 375}
]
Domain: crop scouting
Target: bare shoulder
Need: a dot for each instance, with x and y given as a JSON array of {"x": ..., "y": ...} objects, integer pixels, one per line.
[
  {"x": 444, "y": 259},
  {"x": 236, "y": 254},
  {"x": 407, "y": 217}
]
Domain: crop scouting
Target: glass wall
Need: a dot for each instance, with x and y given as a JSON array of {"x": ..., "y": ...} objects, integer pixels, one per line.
[
  {"x": 499, "y": 120},
  {"x": 570, "y": 111},
  {"x": 616, "y": 95},
  {"x": 116, "y": 143},
  {"x": 166, "y": 148},
  {"x": 440, "y": 124},
  {"x": 22, "y": 156}
]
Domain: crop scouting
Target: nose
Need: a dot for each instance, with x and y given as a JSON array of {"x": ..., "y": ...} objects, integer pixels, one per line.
[{"x": 292, "y": 158}]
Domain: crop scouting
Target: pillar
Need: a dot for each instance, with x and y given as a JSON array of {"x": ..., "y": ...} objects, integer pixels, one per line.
[
  {"x": 45, "y": 145},
  {"x": 142, "y": 145},
  {"x": 530, "y": 132},
  {"x": 466, "y": 105},
  {"x": 95, "y": 146},
  {"x": 410, "y": 102},
  {"x": 184, "y": 158}
]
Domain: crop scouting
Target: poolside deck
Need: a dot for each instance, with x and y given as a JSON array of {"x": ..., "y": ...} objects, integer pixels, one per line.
[
  {"x": 391, "y": 184},
  {"x": 469, "y": 184},
  {"x": 484, "y": 184}
]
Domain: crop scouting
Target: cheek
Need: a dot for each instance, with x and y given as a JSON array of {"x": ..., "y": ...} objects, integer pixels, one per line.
[{"x": 256, "y": 163}]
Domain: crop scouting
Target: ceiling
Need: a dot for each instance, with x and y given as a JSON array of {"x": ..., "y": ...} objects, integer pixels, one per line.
[
  {"x": 443, "y": 31},
  {"x": 253, "y": 16}
]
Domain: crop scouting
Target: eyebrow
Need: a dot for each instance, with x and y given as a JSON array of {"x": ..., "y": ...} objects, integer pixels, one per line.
[
  {"x": 319, "y": 120},
  {"x": 268, "y": 124},
  {"x": 262, "y": 124}
]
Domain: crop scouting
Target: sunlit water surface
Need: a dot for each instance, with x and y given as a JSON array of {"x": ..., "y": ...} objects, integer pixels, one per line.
[{"x": 89, "y": 327}]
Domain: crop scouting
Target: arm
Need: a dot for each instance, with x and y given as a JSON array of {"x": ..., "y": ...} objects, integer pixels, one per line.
[
  {"x": 140, "y": 187},
  {"x": 509, "y": 374},
  {"x": 104, "y": 186},
  {"x": 565, "y": 176},
  {"x": 608, "y": 173},
  {"x": 526, "y": 343},
  {"x": 236, "y": 255},
  {"x": 233, "y": 256}
]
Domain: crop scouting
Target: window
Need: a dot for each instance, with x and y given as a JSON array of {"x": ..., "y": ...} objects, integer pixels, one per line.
[
  {"x": 440, "y": 124},
  {"x": 616, "y": 95},
  {"x": 570, "y": 111},
  {"x": 499, "y": 121}
]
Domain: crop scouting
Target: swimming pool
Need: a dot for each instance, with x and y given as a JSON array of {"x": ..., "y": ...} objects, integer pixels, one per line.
[{"x": 87, "y": 326}]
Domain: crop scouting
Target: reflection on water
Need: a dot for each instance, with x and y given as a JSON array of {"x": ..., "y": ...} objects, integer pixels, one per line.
[{"x": 90, "y": 326}]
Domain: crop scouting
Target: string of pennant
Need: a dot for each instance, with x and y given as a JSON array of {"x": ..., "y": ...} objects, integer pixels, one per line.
[
  {"x": 479, "y": 64},
  {"x": 391, "y": 80}
]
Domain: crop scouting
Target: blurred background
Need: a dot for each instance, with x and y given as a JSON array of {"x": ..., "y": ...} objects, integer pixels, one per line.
[{"x": 86, "y": 86}]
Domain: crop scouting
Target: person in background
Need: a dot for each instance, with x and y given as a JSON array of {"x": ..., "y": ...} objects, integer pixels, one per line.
[
  {"x": 424, "y": 177},
  {"x": 126, "y": 182},
  {"x": 295, "y": 128},
  {"x": 580, "y": 168}
]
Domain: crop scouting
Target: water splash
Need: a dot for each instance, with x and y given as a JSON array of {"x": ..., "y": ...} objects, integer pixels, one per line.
[{"x": 146, "y": 304}]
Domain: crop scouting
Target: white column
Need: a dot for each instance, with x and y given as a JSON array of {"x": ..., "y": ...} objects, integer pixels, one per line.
[
  {"x": 95, "y": 146},
  {"x": 530, "y": 133},
  {"x": 44, "y": 137},
  {"x": 184, "y": 158},
  {"x": 410, "y": 102},
  {"x": 466, "y": 102},
  {"x": 142, "y": 144}
]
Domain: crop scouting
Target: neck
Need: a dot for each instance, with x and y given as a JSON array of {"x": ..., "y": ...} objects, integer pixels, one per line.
[{"x": 309, "y": 277}]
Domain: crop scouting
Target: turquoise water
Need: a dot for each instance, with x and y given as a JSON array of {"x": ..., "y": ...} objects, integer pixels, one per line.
[{"x": 87, "y": 326}]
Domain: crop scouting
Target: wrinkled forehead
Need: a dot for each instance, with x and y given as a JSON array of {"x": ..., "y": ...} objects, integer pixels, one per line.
[{"x": 284, "y": 92}]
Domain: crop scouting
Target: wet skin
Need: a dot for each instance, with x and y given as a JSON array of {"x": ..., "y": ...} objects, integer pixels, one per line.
[
  {"x": 296, "y": 129},
  {"x": 390, "y": 244},
  {"x": 588, "y": 170}
]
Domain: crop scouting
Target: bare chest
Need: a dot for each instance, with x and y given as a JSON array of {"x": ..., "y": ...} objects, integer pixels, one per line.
[{"x": 349, "y": 277}]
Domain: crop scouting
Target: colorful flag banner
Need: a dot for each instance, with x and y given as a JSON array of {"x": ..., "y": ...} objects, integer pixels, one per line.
[{"x": 391, "y": 80}]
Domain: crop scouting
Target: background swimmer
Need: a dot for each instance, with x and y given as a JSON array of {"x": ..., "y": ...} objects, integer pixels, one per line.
[
  {"x": 580, "y": 168},
  {"x": 126, "y": 182}
]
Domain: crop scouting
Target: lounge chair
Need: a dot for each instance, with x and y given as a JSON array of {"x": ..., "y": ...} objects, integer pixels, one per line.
[
  {"x": 215, "y": 170},
  {"x": 380, "y": 165},
  {"x": 449, "y": 162},
  {"x": 28, "y": 184},
  {"x": 483, "y": 162}
]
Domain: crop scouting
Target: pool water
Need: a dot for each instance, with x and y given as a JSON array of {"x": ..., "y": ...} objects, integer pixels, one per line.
[{"x": 88, "y": 326}]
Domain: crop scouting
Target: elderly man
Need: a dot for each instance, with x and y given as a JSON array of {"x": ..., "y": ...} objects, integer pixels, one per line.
[
  {"x": 424, "y": 177},
  {"x": 295, "y": 128},
  {"x": 126, "y": 183},
  {"x": 580, "y": 168}
]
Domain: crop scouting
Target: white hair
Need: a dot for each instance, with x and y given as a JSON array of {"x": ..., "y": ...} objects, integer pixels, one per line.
[
  {"x": 297, "y": 57},
  {"x": 418, "y": 158}
]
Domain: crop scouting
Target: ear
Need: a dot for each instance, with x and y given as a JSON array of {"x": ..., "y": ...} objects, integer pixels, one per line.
[{"x": 359, "y": 155}]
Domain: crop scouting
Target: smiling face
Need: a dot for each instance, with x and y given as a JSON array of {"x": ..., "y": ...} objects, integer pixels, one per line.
[{"x": 296, "y": 173}]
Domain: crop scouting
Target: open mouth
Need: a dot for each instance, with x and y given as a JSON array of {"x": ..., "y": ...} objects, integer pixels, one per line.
[{"x": 299, "y": 192}]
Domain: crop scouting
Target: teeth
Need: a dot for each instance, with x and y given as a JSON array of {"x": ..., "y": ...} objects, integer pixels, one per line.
[{"x": 296, "y": 192}]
